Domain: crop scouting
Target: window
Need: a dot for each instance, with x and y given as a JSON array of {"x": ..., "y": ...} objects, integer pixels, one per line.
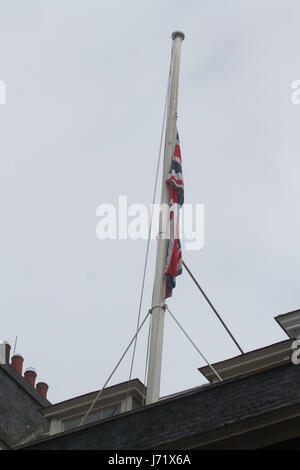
[{"x": 92, "y": 416}]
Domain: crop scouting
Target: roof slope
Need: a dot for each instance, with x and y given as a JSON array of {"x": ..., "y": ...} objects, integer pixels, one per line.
[{"x": 19, "y": 407}]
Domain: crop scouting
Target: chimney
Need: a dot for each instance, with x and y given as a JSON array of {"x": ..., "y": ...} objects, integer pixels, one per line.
[
  {"x": 17, "y": 363},
  {"x": 42, "y": 387},
  {"x": 30, "y": 375},
  {"x": 4, "y": 352}
]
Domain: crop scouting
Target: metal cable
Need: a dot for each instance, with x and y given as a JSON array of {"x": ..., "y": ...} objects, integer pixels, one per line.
[
  {"x": 197, "y": 349},
  {"x": 151, "y": 216},
  {"x": 213, "y": 308},
  {"x": 139, "y": 326},
  {"x": 114, "y": 370}
]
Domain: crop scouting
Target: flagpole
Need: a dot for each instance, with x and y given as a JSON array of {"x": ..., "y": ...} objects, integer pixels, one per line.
[{"x": 157, "y": 309}]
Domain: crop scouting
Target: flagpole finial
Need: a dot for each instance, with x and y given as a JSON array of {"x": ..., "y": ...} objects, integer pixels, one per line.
[{"x": 178, "y": 34}]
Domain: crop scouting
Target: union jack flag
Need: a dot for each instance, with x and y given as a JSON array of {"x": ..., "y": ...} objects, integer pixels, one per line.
[{"x": 174, "y": 255}]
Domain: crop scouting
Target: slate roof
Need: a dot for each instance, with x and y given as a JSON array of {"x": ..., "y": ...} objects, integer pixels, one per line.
[
  {"x": 188, "y": 416},
  {"x": 20, "y": 405}
]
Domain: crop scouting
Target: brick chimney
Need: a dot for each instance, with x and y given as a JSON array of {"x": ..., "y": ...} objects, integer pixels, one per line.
[
  {"x": 17, "y": 363},
  {"x": 30, "y": 375},
  {"x": 4, "y": 352},
  {"x": 42, "y": 387}
]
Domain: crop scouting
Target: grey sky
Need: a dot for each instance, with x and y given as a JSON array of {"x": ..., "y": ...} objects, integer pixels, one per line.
[{"x": 86, "y": 83}]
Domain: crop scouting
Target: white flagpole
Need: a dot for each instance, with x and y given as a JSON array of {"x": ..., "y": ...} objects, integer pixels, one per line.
[{"x": 157, "y": 310}]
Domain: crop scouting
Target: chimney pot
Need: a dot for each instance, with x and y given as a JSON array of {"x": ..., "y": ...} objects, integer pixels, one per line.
[
  {"x": 4, "y": 352},
  {"x": 30, "y": 376},
  {"x": 42, "y": 387},
  {"x": 17, "y": 363}
]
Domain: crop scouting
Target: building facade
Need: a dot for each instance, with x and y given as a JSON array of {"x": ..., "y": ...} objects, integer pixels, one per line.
[{"x": 255, "y": 406}]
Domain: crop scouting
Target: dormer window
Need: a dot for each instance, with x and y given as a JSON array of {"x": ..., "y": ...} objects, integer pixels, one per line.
[
  {"x": 97, "y": 415},
  {"x": 117, "y": 399}
]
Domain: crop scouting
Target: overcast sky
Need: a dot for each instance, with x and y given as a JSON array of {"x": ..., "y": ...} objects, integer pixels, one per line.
[{"x": 86, "y": 84}]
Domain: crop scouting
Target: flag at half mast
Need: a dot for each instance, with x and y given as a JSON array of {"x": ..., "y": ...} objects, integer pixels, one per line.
[{"x": 176, "y": 196}]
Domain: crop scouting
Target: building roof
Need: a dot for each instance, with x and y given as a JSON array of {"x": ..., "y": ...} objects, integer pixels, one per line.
[
  {"x": 256, "y": 405},
  {"x": 20, "y": 403},
  {"x": 200, "y": 418},
  {"x": 19, "y": 379},
  {"x": 250, "y": 363},
  {"x": 82, "y": 402},
  {"x": 290, "y": 323}
]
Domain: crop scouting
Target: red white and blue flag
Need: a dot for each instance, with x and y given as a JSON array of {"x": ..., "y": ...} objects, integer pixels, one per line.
[{"x": 174, "y": 254}]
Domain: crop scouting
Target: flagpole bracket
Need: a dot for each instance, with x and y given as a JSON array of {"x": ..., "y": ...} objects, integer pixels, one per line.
[{"x": 163, "y": 306}]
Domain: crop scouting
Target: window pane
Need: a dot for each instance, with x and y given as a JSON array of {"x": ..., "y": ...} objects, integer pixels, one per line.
[
  {"x": 112, "y": 411},
  {"x": 92, "y": 417},
  {"x": 71, "y": 423}
]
